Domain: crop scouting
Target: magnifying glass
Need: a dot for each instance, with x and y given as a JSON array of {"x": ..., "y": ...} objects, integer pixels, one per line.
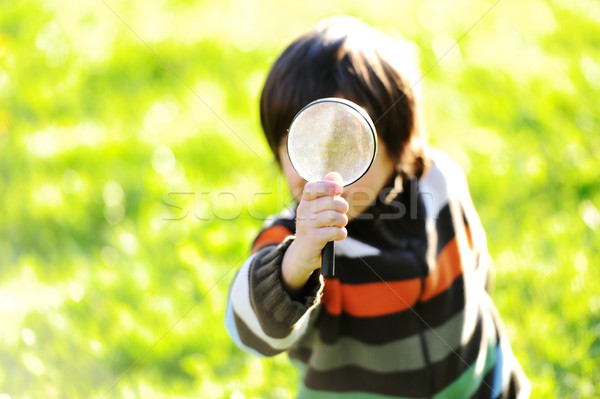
[{"x": 331, "y": 135}]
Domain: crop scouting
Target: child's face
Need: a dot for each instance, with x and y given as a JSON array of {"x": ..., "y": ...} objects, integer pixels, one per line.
[{"x": 361, "y": 194}]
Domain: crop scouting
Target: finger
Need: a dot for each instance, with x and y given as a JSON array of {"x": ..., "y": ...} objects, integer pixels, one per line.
[
  {"x": 321, "y": 188},
  {"x": 320, "y": 220},
  {"x": 327, "y": 234},
  {"x": 337, "y": 203},
  {"x": 330, "y": 219},
  {"x": 341, "y": 234}
]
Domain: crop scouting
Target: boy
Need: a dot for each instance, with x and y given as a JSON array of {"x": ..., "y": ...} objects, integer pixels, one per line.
[{"x": 407, "y": 314}]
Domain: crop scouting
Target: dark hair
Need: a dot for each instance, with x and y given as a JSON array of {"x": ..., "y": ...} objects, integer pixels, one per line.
[{"x": 343, "y": 57}]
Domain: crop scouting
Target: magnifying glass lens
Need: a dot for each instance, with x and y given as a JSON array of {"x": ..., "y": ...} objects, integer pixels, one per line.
[{"x": 332, "y": 135}]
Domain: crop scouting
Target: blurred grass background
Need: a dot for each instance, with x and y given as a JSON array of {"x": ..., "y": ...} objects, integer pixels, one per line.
[{"x": 133, "y": 177}]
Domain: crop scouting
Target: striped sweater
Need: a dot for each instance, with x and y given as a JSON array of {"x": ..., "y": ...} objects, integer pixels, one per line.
[{"x": 407, "y": 314}]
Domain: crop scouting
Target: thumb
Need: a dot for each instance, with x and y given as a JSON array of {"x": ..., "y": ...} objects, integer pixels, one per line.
[{"x": 334, "y": 177}]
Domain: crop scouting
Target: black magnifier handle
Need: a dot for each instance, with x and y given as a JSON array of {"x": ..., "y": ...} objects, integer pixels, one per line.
[{"x": 328, "y": 260}]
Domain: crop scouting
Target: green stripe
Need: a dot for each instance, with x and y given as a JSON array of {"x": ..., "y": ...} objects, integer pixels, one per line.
[{"x": 306, "y": 393}]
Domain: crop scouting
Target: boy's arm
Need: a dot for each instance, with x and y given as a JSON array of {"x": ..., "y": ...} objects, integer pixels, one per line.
[
  {"x": 262, "y": 317},
  {"x": 277, "y": 289}
]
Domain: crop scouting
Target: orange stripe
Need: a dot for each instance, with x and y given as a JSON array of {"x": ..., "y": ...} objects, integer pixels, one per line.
[
  {"x": 371, "y": 299},
  {"x": 272, "y": 235},
  {"x": 381, "y": 298},
  {"x": 449, "y": 266}
]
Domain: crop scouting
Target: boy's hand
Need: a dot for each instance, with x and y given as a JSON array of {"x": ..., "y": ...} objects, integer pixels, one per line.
[{"x": 320, "y": 218}]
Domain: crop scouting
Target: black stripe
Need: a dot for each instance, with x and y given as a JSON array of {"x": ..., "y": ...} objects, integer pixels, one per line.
[
  {"x": 301, "y": 354},
  {"x": 407, "y": 383},
  {"x": 485, "y": 389},
  {"x": 394, "y": 265},
  {"x": 512, "y": 388},
  {"x": 383, "y": 329},
  {"x": 445, "y": 228},
  {"x": 354, "y": 378},
  {"x": 248, "y": 338},
  {"x": 445, "y": 305},
  {"x": 391, "y": 225},
  {"x": 371, "y": 330}
]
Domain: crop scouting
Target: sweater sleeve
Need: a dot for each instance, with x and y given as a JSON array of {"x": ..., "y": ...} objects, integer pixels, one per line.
[{"x": 261, "y": 316}]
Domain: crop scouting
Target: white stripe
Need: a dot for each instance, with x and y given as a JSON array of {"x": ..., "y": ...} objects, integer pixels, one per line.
[
  {"x": 232, "y": 330},
  {"x": 352, "y": 248},
  {"x": 434, "y": 187},
  {"x": 240, "y": 303}
]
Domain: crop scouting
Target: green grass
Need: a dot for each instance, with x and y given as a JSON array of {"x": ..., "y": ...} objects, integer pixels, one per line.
[{"x": 133, "y": 178}]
